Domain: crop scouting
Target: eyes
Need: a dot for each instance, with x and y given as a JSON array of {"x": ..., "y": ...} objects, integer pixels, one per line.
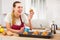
[{"x": 20, "y": 7}]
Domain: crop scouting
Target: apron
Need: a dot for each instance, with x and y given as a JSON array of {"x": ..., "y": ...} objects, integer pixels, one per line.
[{"x": 18, "y": 27}]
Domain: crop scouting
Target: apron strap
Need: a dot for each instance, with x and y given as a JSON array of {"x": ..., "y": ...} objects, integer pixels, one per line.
[{"x": 21, "y": 19}]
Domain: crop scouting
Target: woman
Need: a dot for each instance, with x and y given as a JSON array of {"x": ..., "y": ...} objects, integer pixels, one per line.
[
  {"x": 16, "y": 20},
  {"x": 30, "y": 17}
]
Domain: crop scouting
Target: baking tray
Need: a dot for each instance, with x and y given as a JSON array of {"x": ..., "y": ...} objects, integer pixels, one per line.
[{"x": 49, "y": 35}]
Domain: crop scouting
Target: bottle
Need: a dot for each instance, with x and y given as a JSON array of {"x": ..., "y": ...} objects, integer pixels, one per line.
[
  {"x": 53, "y": 28},
  {"x": 41, "y": 26},
  {"x": 56, "y": 26}
]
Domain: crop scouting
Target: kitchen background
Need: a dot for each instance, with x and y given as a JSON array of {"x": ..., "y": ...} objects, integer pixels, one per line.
[{"x": 46, "y": 11}]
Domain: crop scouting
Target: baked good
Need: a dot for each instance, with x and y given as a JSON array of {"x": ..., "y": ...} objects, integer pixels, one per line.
[
  {"x": 35, "y": 33},
  {"x": 25, "y": 33}
]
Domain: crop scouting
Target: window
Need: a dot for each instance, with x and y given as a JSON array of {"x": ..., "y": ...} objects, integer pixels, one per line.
[{"x": 39, "y": 7}]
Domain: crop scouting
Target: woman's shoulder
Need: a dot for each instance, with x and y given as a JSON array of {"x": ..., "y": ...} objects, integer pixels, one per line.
[
  {"x": 8, "y": 16},
  {"x": 23, "y": 15}
]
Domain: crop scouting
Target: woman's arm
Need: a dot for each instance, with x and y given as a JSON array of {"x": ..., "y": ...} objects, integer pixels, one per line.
[
  {"x": 8, "y": 26},
  {"x": 29, "y": 18},
  {"x": 25, "y": 20}
]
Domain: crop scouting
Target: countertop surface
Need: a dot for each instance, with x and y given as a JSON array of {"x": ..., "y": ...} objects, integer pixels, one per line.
[{"x": 2, "y": 37}]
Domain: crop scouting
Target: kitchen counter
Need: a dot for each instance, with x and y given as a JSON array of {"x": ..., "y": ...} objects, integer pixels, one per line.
[
  {"x": 2, "y": 37},
  {"x": 56, "y": 37}
]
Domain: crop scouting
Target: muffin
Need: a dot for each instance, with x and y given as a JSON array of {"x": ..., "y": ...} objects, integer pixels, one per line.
[
  {"x": 45, "y": 33},
  {"x": 25, "y": 33},
  {"x": 35, "y": 33}
]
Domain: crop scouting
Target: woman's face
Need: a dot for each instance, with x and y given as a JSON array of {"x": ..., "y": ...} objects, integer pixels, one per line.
[{"x": 18, "y": 9}]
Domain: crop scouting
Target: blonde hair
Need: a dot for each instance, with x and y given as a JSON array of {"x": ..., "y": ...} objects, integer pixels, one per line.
[{"x": 13, "y": 18}]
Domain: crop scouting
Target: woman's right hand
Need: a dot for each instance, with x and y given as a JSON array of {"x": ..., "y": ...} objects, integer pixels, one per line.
[{"x": 21, "y": 30}]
